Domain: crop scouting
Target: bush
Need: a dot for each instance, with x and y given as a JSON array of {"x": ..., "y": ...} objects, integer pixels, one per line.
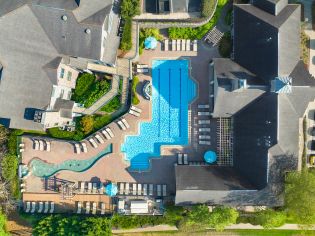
[
  {"x": 129, "y": 8},
  {"x": 84, "y": 83},
  {"x": 9, "y": 166},
  {"x": 135, "y": 221},
  {"x": 113, "y": 105},
  {"x": 173, "y": 215},
  {"x": 196, "y": 219},
  {"x": 208, "y": 6},
  {"x": 97, "y": 90},
  {"x": 270, "y": 219},
  {"x": 101, "y": 121},
  {"x": 61, "y": 134},
  {"x": 222, "y": 217},
  {"x": 3, "y": 221},
  {"x": 134, "y": 97},
  {"x": 126, "y": 40},
  {"x": 305, "y": 48},
  {"x": 87, "y": 124},
  {"x": 225, "y": 46},
  {"x": 228, "y": 16}
]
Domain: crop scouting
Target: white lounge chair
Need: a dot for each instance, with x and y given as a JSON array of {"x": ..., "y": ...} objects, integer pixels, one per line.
[
  {"x": 125, "y": 123},
  {"x": 41, "y": 145},
  {"x": 121, "y": 125},
  {"x": 48, "y": 146},
  {"x": 84, "y": 147},
  {"x": 99, "y": 138},
  {"x": 79, "y": 210},
  {"x": 151, "y": 189},
  {"x": 121, "y": 188},
  {"x": 52, "y": 207},
  {"x": 89, "y": 187},
  {"x": 145, "y": 189},
  {"x": 134, "y": 113},
  {"x": 159, "y": 190},
  {"x": 188, "y": 45},
  {"x": 94, "y": 208},
  {"x": 179, "y": 158},
  {"x": 22, "y": 149},
  {"x": 203, "y": 113},
  {"x": 94, "y": 187},
  {"x": 204, "y": 122},
  {"x": 82, "y": 189},
  {"x": 28, "y": 207},
  {"x": 127, "y": 189},
  {"x": 203, "y": 106},
  {"x": 195, "y": 46},
  {"x": 136, "y": 109},
  {"x": 183, "y": 45},
  {"x": 46, "y": 207},
  {"x": 87, "y": 208},
  {"x": 201, "y": 142},
  {"x": 185, "y": 159},
  {"x": 109, "y": 131},
  {"x": 40, "y": 207},
  {"x": 77, "y": 148},
  {"x": 166, "y": 45},
  {"x": 173, "y": 45},
  {"x": 22, "y": 145},
  {"x": 134, "y": 189},
  {"x": 92, "y": 141},
  {"x": 164, "y": 190},
  {"x": 204, "y": 129},
  {"x": 207, "y": 137},
  {"x": 33, "y": 207},
  {"x": 178, "y": 45},
  {"x": 139, "y": 189},
  {"x": 102, "y": 208},
  {"x": 36, "y": 147},
  {"x": 106, "y": 134}
]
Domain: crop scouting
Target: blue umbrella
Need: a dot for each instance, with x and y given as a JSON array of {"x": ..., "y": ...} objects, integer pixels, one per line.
[
  {"x": 111, "y": 189},
  {"x": 150, "y": 43},
  {"x": 210, "y": 157}
]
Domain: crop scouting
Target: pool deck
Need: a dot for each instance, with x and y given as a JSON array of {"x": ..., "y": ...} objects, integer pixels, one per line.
[{"x": 113, "y": 167}]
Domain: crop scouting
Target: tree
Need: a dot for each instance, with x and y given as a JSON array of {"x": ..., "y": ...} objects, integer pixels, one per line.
[
  {"x": 300, "y": 196},
  {"x": 129, "y": 8},
  {"x": 96, "y": 226},
  {"x": 3, "y": 221},
  {"x": 87, "y": 123},
  {"x": 9, "y": 166},
  {"x": 196, "y": 219},
  {"x": 270, "y": 219},
  {"x": 221, "y": 217}
]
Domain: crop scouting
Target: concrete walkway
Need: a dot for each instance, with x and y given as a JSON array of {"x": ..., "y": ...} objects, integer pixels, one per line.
[{"x": 106, "y": 98}]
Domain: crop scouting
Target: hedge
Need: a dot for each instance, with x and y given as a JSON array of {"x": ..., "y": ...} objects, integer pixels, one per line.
[
  {"x": 113, "y": 105},
  {"x": 134, "y": 97},
  {"x": 84, "y": 83},
  {"x": 207, "y": 7},
  {"x": 126, "y": 40}
]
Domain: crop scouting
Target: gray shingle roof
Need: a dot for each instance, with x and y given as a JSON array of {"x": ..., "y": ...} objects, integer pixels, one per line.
[{"x": 59, "y": 4}]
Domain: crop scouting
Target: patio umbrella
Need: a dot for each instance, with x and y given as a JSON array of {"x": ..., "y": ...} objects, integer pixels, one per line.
[
  {"x": 111, "y": 189},
  {"x": 150, "y": 43},
  {"x": 210, "y": 157}
]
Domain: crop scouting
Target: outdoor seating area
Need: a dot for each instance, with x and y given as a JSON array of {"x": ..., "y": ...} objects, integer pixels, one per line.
[
  {"x": 91, "y": 208},
  {"x": 135, "y": 111},
  {"x": 140, "y": 207},
  {"x": 204, "y": 125},
  {"x": 213, "y": 37},
  {"x": 123, "y": 124},
  {"x": 180, "y": 45},
  {"x": 40, "y": 145},
  {"x": 39, "y": 207},
  {"x": 142, "y": 68},
  {"x": 137, "y": 189},
  {"x": 182, "y": 159}
]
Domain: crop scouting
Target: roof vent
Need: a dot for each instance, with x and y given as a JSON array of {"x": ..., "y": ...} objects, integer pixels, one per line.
[
  {"x": 87, "y": 31},
  {"x": 64, "y": 18}
]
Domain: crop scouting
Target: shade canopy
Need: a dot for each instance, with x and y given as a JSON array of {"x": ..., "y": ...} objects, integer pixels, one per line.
[
  {"x": 210, "y": 157},
  {"x": 150, "y": 43},
  {"x": 111, "y": 189}
]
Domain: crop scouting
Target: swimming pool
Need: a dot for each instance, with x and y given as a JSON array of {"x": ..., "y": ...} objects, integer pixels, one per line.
[
  {"x": 40, "y": 168},
  {"x": 172, "y": 91}
]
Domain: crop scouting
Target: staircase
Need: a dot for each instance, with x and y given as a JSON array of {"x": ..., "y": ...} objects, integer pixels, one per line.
[{"x": 125, "y": 90}]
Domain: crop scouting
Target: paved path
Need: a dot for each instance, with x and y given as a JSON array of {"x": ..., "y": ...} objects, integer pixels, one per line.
[{"x": 106, "y": 98}]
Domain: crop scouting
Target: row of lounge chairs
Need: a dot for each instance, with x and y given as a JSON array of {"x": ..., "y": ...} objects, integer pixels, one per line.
[
  {"x": 91, "y": 187},
  {"x": 41, "y": 145},
  {"x": 39, "y": 207},
  {"x": 22, "y": 147},
  {"x": 142, "y": 68},
  {"x": 135, "y": 111},
  {"x": 80, "y": 147},
  {"x": 97, "y": 138},
  {"x": 142, "y": 189},
  {"x": 88, "y": 210},
  {"x": 203, "y": 113},
  {"x": 123, "y": 124},
  {"x": 204, "y": 139},
  {"x": 182, "y": 159},
  {"x": 181, "y": 45}
]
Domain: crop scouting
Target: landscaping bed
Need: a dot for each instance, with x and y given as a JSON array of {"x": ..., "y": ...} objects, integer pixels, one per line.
[
  {"x": 305, "y": 48},
  {"x": 134, "y": 97}
]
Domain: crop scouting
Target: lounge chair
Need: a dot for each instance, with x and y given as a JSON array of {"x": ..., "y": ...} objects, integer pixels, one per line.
[
  {"x": 178, "y": 45},
  {"x": 127, "y": 189},
  {"x": 139, "y": 189},
  {"x": 166, "y": 45},
  {"x": 204, "y": 129},
  {"x": 36, "y": 145},
  {"x": 159, "y": 190},
  {"x": 94, "y": 187},
  {"x": 201, "y": 142},
  {"x": 94, "y": 208},
  {"x": 183, "y": 45},
  {"x": 22, "y": 145},
  {"x": 134, "y": 113},
  {"x": 41, "y": 145},
  {"x": 84, "y": 147},
  {"x": 22, "y": 149},
  {"x": 106, "y": 134},
  {"x": 204, "y": 137},
  {"x": 99, "y": 138},
  {"x": 204, "y": 122},
  {"x": 203, "y": 106},
  {"x": 101, "y": 189},
  {"x": 89, "y": 187},
  {"x": 173, "y": 45},
  {"x": 48, "y": 146},
  {"x": 203, "y": 113},
  {"x": 179, "y": 158},
  {"x": 52, "y": 207},
  {"x": 121, "y": 188},
  {"x": 136, "y": 109},
  {"x": 195, "y": 46},
  {"x": 109, "y": 131},
  {"x": 40, "y": 207},
  {"x": 188, "y": 45},
  {"x": 33, "y": 207},
  {"x": 92, "y": 141},
  {"x": 145, "y": 189},
  {"x": 151, "y": 189},
  {"x": 79, "y": 210},
  {"x": 102, "y": 208},
  {"x": 28, "y": 207},
  {"x": 164, "y": 190},
  {"x": 125, "y": 123},
  {"x": 121, "y": 125},
  {"x": 46, "y": 207},
  {"x": 87, "y": 208},
  {"x": 134, "y": 189},
  {"x": 185, "y": 159},
  {"x": 77, "y": 148}
]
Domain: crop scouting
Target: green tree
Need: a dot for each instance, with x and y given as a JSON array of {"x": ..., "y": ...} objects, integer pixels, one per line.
[
  {"x": 130, "y": 8},
  {"x": 83, "y": 85},
  {"x": 270, "y": 218},
  {"x": 100, "y": 226},
  {"x": 196, "y": 219},
  {"x": 87, "y": 124},
  {"x": 3, "y": 221},
  {"x": 9, "y": 166},
  {"x": 222, "y": 216},
  {"x": 300, "y": 196}
]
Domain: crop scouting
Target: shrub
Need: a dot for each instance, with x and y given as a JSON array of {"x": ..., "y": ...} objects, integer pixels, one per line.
[
  {"x": 61, "y": 134},
  {"x": 228, "y": 16},
  {"x": 134, "y": 97},
  {"x": 270, "y": 219},
  {"x": 101, "y": 121},
  {"x": 208, "y": 6},
  {"x": 222, "y": 217},
  {"x": 305, "y": 48},
  {"x": 113, "y": 105},
  {"x": 196, "y": 219},
  {"x": 129, "y": 8},
  {"x": 126, "y": 40},
  {"x": 87, "y": 124},
  {"x": 3, "y": 221},
  {"x": 97, "y": 90},
  {"x": 174, "y": 214},
  {"x": 9, "y": 166},
  {"x": 225, "y": 46},
  {"x": 84, "y": 83}
]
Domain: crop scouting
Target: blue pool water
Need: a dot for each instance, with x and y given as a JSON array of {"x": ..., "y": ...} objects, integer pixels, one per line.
[{"x": 172, "y": 91}]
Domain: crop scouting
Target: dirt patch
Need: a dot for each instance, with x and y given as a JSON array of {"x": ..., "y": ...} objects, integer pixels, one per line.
[{"x": 17, "y": 223}]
